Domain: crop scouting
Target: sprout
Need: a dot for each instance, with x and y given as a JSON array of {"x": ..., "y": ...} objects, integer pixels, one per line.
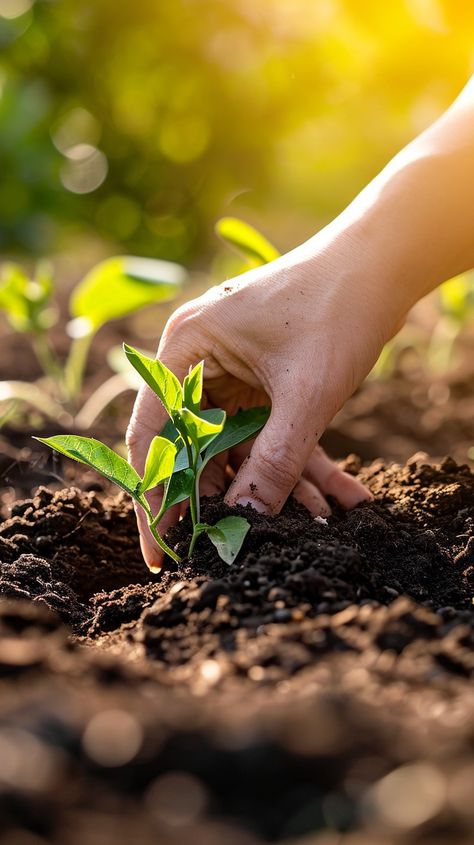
[{"x": 176, "y": 458}]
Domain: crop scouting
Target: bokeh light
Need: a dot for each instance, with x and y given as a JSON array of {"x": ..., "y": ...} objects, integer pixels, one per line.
[{"x": 278, "y": 110}]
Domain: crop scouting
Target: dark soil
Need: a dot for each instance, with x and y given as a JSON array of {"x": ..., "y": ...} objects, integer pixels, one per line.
[{"x": 315, "y": 686}]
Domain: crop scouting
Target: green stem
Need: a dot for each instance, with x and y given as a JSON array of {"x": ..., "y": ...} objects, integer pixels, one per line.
[
  {"x": 192, "y": 498},
  {"x": 193, "y": 541},
  {"x": 158, "y": 516},
  {"x": 75, "y": 365},
  {"x": 152, "y": 522},
  {"x": 164, "y": 546},
  {"x": 46, "y": 356},
  {"x": 192, "y": 461}
]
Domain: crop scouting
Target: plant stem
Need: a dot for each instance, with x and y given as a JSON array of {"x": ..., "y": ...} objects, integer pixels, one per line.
[
  {"x": 192, "y": 461},
  {"x": 192, "y": 498},
  {"x": 75, "y": 365},
  {"x": 98, "y": 401},
  {"x": 25, "y": 391},
  {"x": 152, "y": 522},
  {"x": 193, "y": 541},
  {"x": 163, "y": 546},
  {"x": 197, "y": 504},
  {"x": 46, "y": 356}
]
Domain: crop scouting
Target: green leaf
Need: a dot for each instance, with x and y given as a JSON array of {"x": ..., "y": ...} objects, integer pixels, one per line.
[
  {"x": 200, "y": 429},
  {"x": 179, "y": 488},
  {"x": 161, "y": 380},
  {"x": 227, "y": 535},
  {"x": 213, "y": 415},
  {"x": 192, "y": 388},
  {"x": 14, "y": 285},
  {"x": 237, "y": 429},
  {"x": 93, "y": 453},
  {"x": 457, "y": 296},
  {"x": 170, "y": 431},
  {"x": 159, "y": 463},
  {"x": 121, "y": 285},
  {"x": 246, "y": 240}
]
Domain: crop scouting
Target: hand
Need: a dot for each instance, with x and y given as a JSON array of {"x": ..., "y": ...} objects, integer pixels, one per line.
[{"x": 299, "y": 334}]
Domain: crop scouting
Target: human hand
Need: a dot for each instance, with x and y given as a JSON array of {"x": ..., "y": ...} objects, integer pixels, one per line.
[{"x": 299, "y": 334}]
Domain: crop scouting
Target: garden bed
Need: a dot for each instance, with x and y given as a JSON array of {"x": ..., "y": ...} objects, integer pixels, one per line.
[{"x": 269, "y": 700}]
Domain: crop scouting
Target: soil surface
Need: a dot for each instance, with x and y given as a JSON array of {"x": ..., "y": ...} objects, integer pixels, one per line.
[{"x": 318, "y": 691}]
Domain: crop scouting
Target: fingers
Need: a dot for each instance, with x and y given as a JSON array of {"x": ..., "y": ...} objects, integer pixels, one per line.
[
  {"x": 331, "y": 480},
  {"x": 308, "y": 495},
  {"x": 276, "y": 461},
  {"x": 320, "y": 477},
  {"x": 152, "y": 554}
]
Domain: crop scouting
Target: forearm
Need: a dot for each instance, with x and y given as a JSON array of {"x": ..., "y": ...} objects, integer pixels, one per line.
[{"x": 413, "y": 226}]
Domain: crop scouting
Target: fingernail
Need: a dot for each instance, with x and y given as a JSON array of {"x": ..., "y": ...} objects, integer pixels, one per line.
[{"x": 254, "y": 503}]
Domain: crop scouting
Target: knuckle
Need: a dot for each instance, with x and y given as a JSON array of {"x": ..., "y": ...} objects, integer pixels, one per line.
[
  {"x": 137, "y": 433},
  {"x": 180, "y": 322},
  {"x": 132, "y": 438},
  {"x": 279, "y": 465}
]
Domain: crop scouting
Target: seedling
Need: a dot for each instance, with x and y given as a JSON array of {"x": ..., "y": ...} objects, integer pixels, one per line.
[
  {"x": 247, "y": 241},
  {"x": 177, "y": 458},
  {"x": 114, "y": 288}
]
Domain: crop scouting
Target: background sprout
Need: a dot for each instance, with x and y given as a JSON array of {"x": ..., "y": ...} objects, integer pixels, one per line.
[{"x": 114, "y": 288}]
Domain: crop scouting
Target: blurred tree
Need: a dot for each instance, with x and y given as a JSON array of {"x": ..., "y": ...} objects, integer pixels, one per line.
[{"x": 144, "y": 122}]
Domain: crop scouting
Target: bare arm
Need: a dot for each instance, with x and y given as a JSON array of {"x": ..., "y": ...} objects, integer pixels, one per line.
[{"x": 303, "y": 332}]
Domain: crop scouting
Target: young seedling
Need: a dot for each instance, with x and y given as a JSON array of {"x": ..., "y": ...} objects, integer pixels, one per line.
[
  {"x": 247, "y": 241},
  {"x": 177, "y": 458},
  {"x": 112, "y": 289}
]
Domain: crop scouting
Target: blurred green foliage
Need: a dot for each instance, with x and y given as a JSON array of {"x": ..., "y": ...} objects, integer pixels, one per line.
[{"x": 143, "y": 122}]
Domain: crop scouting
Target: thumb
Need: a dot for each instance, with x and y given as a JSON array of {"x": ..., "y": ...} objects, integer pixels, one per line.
[{"x": 277, "y": 460}]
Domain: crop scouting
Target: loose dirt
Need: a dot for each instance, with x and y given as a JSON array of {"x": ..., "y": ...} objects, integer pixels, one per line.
[{"x": 313, "y": 688}]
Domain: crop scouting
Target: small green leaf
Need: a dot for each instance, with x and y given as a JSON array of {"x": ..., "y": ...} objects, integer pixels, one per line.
[
  {"x": 457, "y": 297},
  {"x": 27, "y": 301},
  {"x": 159, "y": 463},
  {"x": 121, "y": 285},
  {"x": 227, "y": 535},
  {"x": 246, "y": 240},
  {"x": 213, "y": 415},
  {"x": 237, "y": 429},
  {"x": 179, "y": 488},
  {"x": 161, "y": 380},
  {"x": 93, "y": 453},
  {"x": 192, "y": 388},
  {"x": 200, "y": 429}
]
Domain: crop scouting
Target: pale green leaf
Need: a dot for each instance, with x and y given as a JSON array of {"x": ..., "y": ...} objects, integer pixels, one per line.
[
  {"x": 246, "y": 240},
  {"x": 93, "y": 453},
  {"x": 13, "y": 296},
  {"x": 192, "y": 388},
  {"x": 213, "y": 415},
  {"x": 227, "y": 535},
  {"x": 121, "y": 285},
  {"x": 457, "y": 296},
  {"x": 159, "y": 463},
  {"x": 200, "y": 429},
  {"x": 161, "y": 380}
]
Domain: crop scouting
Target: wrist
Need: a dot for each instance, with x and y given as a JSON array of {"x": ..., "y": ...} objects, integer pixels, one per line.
[{"x": 350, "y": 270}]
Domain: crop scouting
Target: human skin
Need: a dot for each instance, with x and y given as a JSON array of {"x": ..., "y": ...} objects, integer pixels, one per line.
[{"x": 302, "y": 332}]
